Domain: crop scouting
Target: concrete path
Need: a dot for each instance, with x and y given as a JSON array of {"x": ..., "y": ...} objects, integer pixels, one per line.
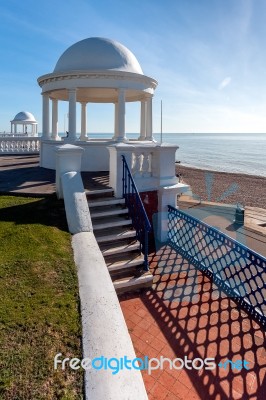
[{"x": 21, "y": 174}]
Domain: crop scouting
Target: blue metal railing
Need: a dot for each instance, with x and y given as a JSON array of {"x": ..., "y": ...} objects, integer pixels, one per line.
[
  {"x": 137, "y": 211},
  {"x": 237, "y": 270}
]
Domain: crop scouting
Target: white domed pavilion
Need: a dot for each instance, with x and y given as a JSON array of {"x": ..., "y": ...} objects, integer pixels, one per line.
[
  {"x": 25, "y": 120},
  {"x": 95, "y": 70},
  {"x": 98, "y": 54}
]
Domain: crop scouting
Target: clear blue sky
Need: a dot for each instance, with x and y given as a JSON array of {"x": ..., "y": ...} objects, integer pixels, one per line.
[{"x": 209, "y": 57}]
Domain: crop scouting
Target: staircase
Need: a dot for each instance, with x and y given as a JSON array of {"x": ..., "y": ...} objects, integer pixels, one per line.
[{"x": 117, "y": 240}]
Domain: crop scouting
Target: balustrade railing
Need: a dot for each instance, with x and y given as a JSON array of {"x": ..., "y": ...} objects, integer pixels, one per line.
[
  {"x": 237, "y": 270},
  {"x": 11, "y": 134},
  {"x": 141, "y": 163},
  {"x": 19, "y": 145},
  {"x": 137, "y": 211}
]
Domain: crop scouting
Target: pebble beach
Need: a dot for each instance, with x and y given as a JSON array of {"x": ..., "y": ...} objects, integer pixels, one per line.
[{"x": 249, "y": 190}]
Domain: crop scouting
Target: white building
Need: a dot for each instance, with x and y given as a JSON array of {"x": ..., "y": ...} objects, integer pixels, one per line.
[
  {"x": 94, "y": 70},
  {"x": 25, "y": 123}
]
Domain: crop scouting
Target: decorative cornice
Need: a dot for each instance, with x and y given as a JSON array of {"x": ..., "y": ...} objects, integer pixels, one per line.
[{"x": 117, "y": 75}]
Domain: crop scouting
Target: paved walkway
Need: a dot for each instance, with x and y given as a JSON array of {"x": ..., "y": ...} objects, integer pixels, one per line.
[
  {"x": 21, "y": 174},
  {"x": 184, "y": 314}
]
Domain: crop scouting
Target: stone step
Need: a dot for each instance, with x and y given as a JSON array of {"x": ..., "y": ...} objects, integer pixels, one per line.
[
  {"x": 131, "y": 283},
  {"x": 103, "y": 203},
  {"x": 114, "y": 237},
  {"x": 117, "y": 250},
  {"x": 120, "y": 265},
  {"x": 99, "y": 194},
  {"x": 111, "y": 223},
  {"x": 112, "y": 212},
  {"x": 118, "y": 242}
]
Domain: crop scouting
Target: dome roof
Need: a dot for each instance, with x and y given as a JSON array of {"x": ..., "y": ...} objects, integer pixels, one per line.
[
  {"x": 24, "y": 116},
  {"x": 98, "y": 54}
]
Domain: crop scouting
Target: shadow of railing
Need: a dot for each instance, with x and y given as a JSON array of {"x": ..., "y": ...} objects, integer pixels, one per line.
[
  {"x": 235, "y": 268},
  {"x": 199, "y": 321},
  {"x": 95, "y": 180}
]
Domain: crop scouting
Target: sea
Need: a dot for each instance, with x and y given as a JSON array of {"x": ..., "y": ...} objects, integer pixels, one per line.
[{"x": 228, "y": 152}]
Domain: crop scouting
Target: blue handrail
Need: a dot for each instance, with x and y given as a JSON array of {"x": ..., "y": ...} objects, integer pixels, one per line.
[
  {"x": 137, "y": 211},
  {"x": 239, "y": 271}
]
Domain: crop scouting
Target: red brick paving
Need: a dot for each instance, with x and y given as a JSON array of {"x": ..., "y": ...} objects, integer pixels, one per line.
[{"x": 184, "y": 314}]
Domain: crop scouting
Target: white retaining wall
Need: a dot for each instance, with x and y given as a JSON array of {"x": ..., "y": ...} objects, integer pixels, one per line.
[{"x": 104, "y": 330}]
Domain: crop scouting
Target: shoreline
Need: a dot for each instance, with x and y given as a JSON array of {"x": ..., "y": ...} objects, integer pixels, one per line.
[
  {"x": 206, "y": 169},
  {"x": 247, "y": 190}
]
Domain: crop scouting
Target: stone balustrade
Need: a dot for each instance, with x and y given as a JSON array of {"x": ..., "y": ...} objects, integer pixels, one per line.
[
  {"x": 152, "y": 165},
  {"x": 19, "y": 145},
  {"x": 142, "y": 163},
  {"x": 153, "y": 169},
  {"x": 11, "y": 134}
]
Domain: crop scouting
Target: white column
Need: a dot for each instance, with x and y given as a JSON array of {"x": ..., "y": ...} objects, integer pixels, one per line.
[
  {"x": 45, "y": 117},
  {"x": 149, "y": 119},
  {"x": 115, "y": 122},
  {"x": 11, "y": 127},
  {"x": 15, "y": 128},
  {"x": 83, "y": 121},
  {"x": 143, "y": 108},
  {"x": 121, "y": 134},
  {"x": 72, "y": 115},
  {"x": 55, "y": 119}
]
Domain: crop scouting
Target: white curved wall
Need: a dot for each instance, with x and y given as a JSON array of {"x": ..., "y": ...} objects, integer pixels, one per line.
[{"x": 95, "y": 156}]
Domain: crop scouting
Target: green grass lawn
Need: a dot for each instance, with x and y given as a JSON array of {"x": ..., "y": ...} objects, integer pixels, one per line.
[{"x": 39, "y": 305}]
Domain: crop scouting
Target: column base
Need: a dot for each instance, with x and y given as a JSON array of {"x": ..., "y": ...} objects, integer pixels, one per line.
[
  {"x": 121, "y": 139},
  {"x": 56, "y": 137},
  {"x": 83, "y": 138}
]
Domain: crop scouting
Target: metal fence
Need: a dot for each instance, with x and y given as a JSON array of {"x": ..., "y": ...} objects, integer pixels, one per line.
[
  {"x": 136, "y": 211},
  {"x": 237, "y": 270}
]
